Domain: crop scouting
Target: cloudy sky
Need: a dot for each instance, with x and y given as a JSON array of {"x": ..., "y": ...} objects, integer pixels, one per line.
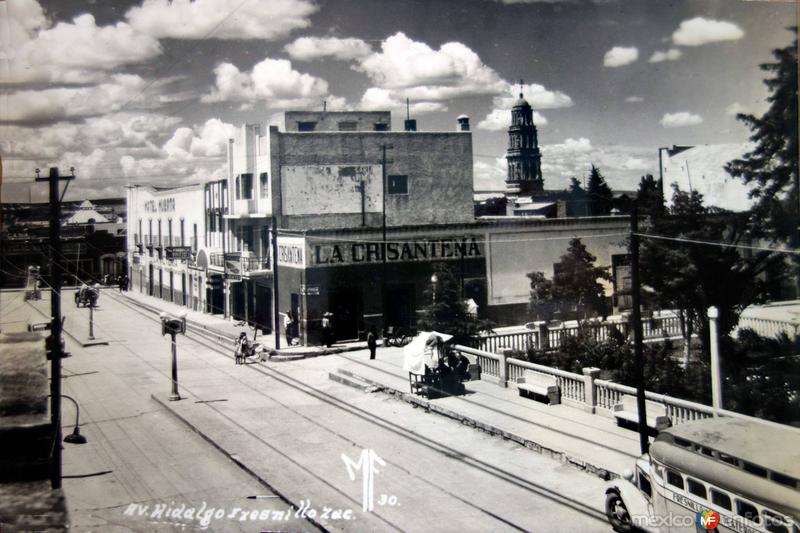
[{"x": 147, "y": 91}]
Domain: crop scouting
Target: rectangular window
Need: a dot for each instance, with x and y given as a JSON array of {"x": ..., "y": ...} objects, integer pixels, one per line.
[
  {"x": 775, "y": 523},
  {"x": 380, "y": 126},
  {"x": 306, "y": 126},
  {"x": 238, "y": 188},
  {"x": 194, "y": 240},
  {"x": 755, "y": 469},
  {"x": 140, "y": 231},
  {"x": 696, "y": 488},
  {"x": 721, "y": 499},
  {"x": 748, "y": 511},
  {"x": 170, "y": 242},
  {"x": 348, "y": 126},
  {"x": 264, "y": 184},
  {"x": 247, "y": 186},
  {"x": 183, "y": 236},
  {"x": 160, "y": 235},
  {"x": 644, "y": 484},
  {"x": 398, "y": 185},
  {"x": 674, "y": 479}
]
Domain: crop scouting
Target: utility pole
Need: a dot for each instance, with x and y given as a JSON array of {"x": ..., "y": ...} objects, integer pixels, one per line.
[
  {"x": 276, "y": 306},
  {"x": 56, "y": 348},
  {"x": 384, "y": 162},
  {"x": 636, "y": 315}
]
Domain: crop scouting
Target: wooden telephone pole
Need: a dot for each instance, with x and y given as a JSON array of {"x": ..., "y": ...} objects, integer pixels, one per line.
[{"x": 56, "y": 350}]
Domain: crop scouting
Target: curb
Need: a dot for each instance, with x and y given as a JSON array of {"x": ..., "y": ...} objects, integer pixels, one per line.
[
  {"x": 559, "y": 455},
  {"x": 274, "y": 355},
  {"x": 234, "y": 460}
]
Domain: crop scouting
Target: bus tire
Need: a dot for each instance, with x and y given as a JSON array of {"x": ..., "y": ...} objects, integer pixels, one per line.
[{"x": 618, "y": 514}]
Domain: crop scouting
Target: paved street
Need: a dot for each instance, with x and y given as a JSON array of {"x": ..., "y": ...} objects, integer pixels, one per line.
[
  {"x": 290, "y": 425},
  {"x": 141, "y": 470}
]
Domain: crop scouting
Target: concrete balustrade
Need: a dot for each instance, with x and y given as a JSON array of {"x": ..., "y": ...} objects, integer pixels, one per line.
[{"x": 583, "y": 391}]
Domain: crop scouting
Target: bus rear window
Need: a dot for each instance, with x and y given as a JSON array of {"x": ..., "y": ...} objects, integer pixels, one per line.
[
  {"x": 784, "y": 480},
  {"x": 696, "y": 488},
  {"x": 674, "y": 479},
  {"x": 747, "y": 510},
  {"x": 721, "y": 499}
]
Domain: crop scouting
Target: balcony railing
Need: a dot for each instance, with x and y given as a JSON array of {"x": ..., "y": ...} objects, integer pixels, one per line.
[{"x": 243, "y": 263}]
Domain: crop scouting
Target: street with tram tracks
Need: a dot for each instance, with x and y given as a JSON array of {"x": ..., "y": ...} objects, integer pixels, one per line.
[{"x": 298, "y": 437}]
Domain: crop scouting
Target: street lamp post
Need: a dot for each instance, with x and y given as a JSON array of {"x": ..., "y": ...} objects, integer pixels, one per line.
[{"x": 172, "y": 326}]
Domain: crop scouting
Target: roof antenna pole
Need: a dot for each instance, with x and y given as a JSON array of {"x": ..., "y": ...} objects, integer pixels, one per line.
[
  {"x": 324, "y": 106},
  {"x": 408, "y": 110}
]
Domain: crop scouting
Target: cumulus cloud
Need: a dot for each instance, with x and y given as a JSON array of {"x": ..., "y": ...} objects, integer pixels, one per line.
[
  {"x": 619, "y": 56},
  {"x": 426, "y": 74},
  {"x": 272, "y": 81},
  {"x": 140, "y": 132},
  {"x": 221, "y": 19},
  {"x": 680, "y": 119},
  {"x": 634, "y": 99},
  {"x": 673, "y": 54},
  {"x": 377, "y": 99},
  {"x": 39, "y": 52},
  {"x": 72, "y": 102},
  {"x": 490, "y": 174},
  {"x": 537, "y": 95},
  {"x": 207, "y": 140},
  {"x": 699, "y": 31},
  {"x": 310, "y": 48},
  {"x": 621, "y": 165}
]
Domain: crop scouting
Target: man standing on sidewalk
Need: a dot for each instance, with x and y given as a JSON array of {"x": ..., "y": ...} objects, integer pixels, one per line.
[{"x": 372, "y": 341}]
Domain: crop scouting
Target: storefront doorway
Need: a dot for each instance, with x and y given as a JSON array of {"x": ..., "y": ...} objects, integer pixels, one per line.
[
  {"x": 345, "y": 304},
  {"x": 400, "y": 306}
]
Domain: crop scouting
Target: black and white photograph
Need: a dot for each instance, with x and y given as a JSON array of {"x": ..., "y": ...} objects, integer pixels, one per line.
[{"x": 399, "y": 266}]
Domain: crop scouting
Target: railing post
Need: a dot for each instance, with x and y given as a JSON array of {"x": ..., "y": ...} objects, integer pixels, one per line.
[
  {"x": 544, "y": 337},
  {"x": 502, "y": 367},
  {"x": 590, "y": 389},
  {"x": 716, "y": 378}
]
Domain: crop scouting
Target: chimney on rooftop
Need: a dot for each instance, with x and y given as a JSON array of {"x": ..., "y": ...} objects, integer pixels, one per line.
[{"x": 463, "y": 123}]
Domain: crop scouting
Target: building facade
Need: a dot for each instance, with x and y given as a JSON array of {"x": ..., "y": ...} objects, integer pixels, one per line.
[{"x": 165, "y": 232}]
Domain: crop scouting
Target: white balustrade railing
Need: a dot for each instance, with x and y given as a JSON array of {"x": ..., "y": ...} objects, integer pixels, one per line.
[
  {"x": 767, "y": 327},
  {"x": 596, "y": 395}
]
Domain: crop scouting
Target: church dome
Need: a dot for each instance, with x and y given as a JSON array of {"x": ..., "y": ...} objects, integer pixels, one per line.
[{"x": 521, "y": 102}]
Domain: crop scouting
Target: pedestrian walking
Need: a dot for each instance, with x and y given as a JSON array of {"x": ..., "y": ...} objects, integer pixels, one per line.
[
  {"x": 372, "y": 341},
  {"x": 327, "y": 329}
]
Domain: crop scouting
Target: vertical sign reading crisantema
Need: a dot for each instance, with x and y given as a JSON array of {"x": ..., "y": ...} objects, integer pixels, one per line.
[{"x": 292, "y": 252}]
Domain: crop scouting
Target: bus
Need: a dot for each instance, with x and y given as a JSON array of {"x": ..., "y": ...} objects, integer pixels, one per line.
[{"x": 724, "y": 474}]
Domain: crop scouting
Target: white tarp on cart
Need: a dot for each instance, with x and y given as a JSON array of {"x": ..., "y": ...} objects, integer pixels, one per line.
[{"x": 418, "y": 354}]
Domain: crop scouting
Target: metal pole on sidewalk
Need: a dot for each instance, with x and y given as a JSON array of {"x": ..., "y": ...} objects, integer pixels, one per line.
[
  {"x": 175, "y": 394},
  {"x": 91, "y": 321}
]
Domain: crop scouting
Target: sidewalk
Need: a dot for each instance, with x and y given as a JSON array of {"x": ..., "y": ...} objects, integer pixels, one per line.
[
  {"x": 227, "y": 328},
  {"x": 591, "y": 442}
]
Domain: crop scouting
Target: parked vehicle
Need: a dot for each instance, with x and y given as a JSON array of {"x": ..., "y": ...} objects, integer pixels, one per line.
[{"x": 719, "y": 474}]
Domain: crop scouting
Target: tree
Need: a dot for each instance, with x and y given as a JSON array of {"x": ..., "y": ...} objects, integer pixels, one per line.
[
  {"x": 542, "y": 306},
  {"x": 691, "y": 277},
  {"x": 576, "y": 281},
  {"x": 650, "y": 197},
  {"x": 773, "y": 164},
  {"x": 600, "y": 195},
  {"x": 448, "y": 312}
]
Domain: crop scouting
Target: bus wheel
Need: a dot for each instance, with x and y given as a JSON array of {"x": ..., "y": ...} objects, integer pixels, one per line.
[{"x": 617, "y": 513}]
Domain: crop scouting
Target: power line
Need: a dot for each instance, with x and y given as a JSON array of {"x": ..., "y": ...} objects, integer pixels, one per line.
[{"x": 795, "y": 251}]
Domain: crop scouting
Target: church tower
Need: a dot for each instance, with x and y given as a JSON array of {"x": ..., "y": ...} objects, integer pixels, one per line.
[{"x": 523, "y": 156}]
